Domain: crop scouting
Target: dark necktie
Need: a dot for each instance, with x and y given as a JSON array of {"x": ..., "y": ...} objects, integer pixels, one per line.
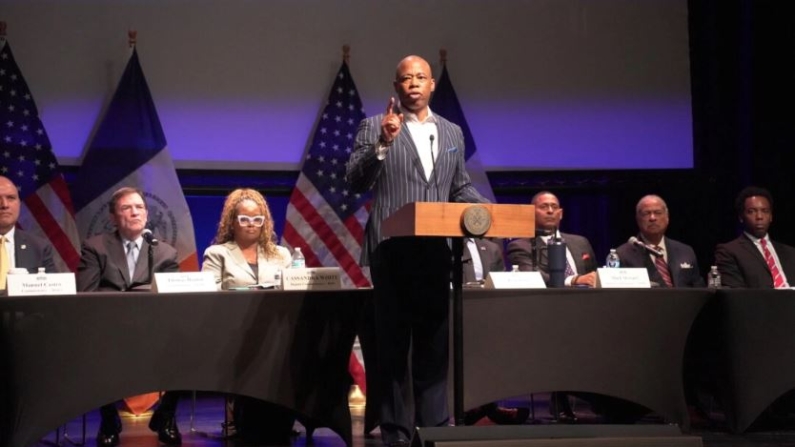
[{"x": 662, "y": 267}]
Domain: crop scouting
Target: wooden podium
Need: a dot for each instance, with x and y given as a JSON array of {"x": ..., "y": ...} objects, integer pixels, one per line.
[{"x": 444, "y": 219}]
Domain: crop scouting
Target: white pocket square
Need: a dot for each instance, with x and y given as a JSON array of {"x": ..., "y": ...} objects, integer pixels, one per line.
[
  {"x": 685, "y": 265},
  {"x": 452, "y": 149}
]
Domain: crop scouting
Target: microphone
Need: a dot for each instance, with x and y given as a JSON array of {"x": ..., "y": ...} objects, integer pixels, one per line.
[
  {"x": 149, "y": 237},
  {"x": 433, "y": 172},
  {"x": 638, "y": 243}
]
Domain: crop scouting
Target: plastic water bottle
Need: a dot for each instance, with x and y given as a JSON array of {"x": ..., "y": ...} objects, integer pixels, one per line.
[
  {"x": 299, "y": 261},
  {"x": 713, "y": 279},
  {"x": 277, "y": 279},
  {"x": 613, "y": 260},
  {"x": 514, "y": 268}
]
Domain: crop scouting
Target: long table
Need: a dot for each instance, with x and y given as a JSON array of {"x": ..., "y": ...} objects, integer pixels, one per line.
[
  {"x": 65, "y": 355},
  {"x": 623, "y": 343},
  {"x": 749, "y": 337}
]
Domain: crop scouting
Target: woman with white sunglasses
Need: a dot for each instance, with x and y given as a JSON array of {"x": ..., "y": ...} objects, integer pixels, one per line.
[{"x": 244, "y": 254}]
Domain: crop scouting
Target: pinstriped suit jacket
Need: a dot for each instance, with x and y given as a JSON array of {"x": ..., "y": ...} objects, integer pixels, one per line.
[{"x": 399, "y": 178}]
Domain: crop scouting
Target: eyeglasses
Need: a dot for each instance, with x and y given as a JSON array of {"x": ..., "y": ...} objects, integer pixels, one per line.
[{"x": 256, "y": 221}]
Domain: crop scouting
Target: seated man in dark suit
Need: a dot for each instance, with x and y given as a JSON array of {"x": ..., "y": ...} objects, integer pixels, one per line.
[
  {"x": 19, "y": 249},
  {"x": 118, "y": 261},
  {"x": 480, "y": 257},
  {"x": 531, "y": 255},
  {"x": 678, "y": 267},
  {"x": 753, "y": 260},
  {"x": 581, "y": 268}
]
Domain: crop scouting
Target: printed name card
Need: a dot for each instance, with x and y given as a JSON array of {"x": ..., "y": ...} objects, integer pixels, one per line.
[
  {"x": 41, "y": 284},
  {"x": 623, "y": 278},
  {"x": 515, "y": 280},
  {"x": 181, "y": 282},
  {"x": 315, "y": 278}
]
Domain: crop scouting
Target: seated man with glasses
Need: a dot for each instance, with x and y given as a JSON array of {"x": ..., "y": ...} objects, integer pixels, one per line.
[
  {"x": 678, "y": 267},
  {"x": 118, "y": 261}
]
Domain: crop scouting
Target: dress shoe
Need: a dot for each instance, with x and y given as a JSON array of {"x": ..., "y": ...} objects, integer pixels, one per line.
[
  {"x": 169, "y": 433},
  {"x": 509, "y": 416},
  {"x": 107, "y": 439},
  {"x": 472, "y": 416},
  {"x": 565, "y": 417}
]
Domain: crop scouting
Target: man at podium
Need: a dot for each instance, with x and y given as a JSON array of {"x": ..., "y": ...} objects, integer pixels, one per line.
[{"x": 409, "y": 154}]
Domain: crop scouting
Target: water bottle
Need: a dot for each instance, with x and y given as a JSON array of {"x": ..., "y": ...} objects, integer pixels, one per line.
[
  {"x": 713, "y": 279},
  {"x": 613, "y": 260},
  {"x": 277, "y": 279},
  {"x": 514, "y": 268},
  {"x": 299, "y": 261},
  {"x": 556, "y": 256}
]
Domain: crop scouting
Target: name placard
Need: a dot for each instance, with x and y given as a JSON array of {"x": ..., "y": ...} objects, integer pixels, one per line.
[
  {"x": 41, "y": 284},
  {"x": 181, "y": 282},
  {"x": 515, "y": 280},
  {"x": 623, "y": 278},
  {"x": 315, "y": 278}
]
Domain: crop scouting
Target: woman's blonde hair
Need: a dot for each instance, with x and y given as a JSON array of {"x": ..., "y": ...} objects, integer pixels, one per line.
[{"x": 226, "y": 231}]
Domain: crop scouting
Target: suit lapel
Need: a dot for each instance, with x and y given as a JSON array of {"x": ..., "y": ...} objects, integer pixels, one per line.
[
  {"x": 240, "y": 260},
  {"x": 21, "y": 249},
  {"x": 674, "y": 266},
  {"x": 749, "y": 246},
  {"x": 117, "y": 255},
  {"x": 141, "y": 273},
  {"x": 485, "y": 257},
  {"x": 443, "y": 160}
]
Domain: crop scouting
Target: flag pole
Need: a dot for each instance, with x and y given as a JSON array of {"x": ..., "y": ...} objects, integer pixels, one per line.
[
  {"x": 132, "y": 38},
  {"x": 2, "y": 31},
  {"x": 458, "y": 317},
  {"x": 346, "y": 54}
]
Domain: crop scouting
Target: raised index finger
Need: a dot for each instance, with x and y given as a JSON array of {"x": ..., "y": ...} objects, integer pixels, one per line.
[{"x": 390, "y": 106}]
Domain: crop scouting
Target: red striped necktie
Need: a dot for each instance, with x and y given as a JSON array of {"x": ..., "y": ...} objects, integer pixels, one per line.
[
  {"x": 662, "y": 267},
  {"x": 778, "y": 280}
]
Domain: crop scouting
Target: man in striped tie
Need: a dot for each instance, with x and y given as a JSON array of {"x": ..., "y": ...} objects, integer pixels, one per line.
[
  {"x": 678, "y": 266},
  {"x": 753, "y": 260}
]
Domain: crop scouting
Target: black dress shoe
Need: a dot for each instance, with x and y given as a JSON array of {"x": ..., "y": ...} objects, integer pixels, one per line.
[
  {"x": 472, "y": 416},
  {"x": 107, "y": 439},
  {"x": 509, "y": 416},
  {"x": 169, "y": 433},
  {"x": 565, "y": 417}
]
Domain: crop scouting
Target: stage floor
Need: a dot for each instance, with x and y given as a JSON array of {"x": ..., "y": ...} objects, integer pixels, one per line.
[{"x": 209, "y": 415}]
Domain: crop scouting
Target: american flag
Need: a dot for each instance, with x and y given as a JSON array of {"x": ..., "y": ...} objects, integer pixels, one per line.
[
  {"x": 27, "y": 159},
  {"x": 324, "y": 217}
]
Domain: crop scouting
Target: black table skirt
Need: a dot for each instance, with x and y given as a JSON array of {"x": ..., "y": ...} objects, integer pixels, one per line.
[{"x": 66, "y": 355}]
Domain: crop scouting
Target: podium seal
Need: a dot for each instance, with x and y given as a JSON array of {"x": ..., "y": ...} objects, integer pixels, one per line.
[{"x": 476, "y": 220}]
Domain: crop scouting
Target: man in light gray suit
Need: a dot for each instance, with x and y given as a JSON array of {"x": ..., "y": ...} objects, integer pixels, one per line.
[{"x": 409, "y": 154}]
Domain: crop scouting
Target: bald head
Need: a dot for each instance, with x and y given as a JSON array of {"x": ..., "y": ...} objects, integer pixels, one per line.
[
  {"x": 414, "y": 84},
  {"x": 409, "y": 61},
  {"x": 651, "y": 214}
]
